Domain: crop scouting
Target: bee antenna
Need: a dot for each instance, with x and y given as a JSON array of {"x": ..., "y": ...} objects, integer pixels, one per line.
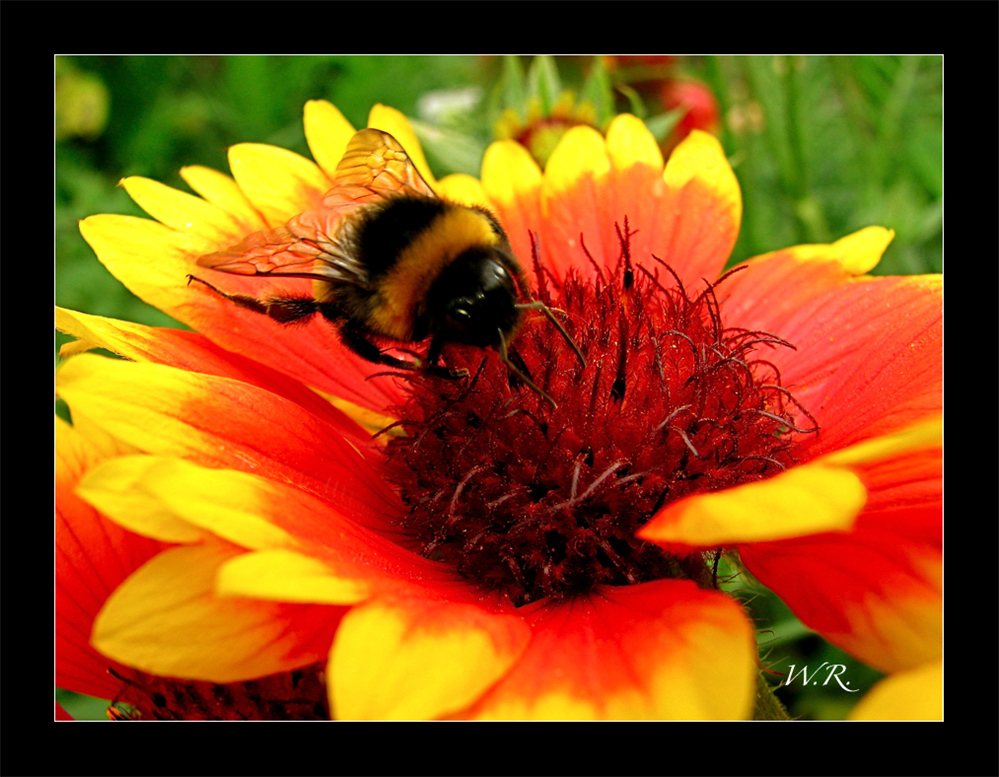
[
  {"x": 505, "y": 358},
  {"x": 538, "y": 305}
]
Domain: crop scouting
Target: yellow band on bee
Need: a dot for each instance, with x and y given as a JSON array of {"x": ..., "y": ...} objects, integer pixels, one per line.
[{"x": 450, "y": 234}]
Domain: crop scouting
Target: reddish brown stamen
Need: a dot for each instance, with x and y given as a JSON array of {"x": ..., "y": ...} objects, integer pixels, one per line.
[{"x": 538, "y": 502}]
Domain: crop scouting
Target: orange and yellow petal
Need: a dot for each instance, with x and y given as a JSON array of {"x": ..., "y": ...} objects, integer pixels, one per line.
[
  {"x": 630, "y": 144},
  {"x": 851, "y": 542},
  {"x": 327, "y": 133},
  {"x": 246, "y": 595},
  {"x": 279, "y": 183},
  {"x": 875, "y": 591},
  {"x": 463, "y": 189},
  {"x": 419, "y": 658},
  {"x": 311, "y": 352},
  {"x": 880, "y": 603},
  {"x": 665, "y": 650},
  {"x": 284, "y": 575},
  {"x": 151, "y": 259},
  {"x": 223, "y": 192},
  {"x": 868, "y": 350},
  {"x": 223, "y": 423},
  {"x": 573, "y": 203},
  {"x": 184, "y": 212},
  {"x": 167, "y": 619},
  {"x": 314, "y": 553},
  {"x": 173, "y": 617},
  {"x": 858, "y": 253},
  {"x": 913, "y": 695},
  {"x": 301, "y": 552},
  {"x": 804, "y": 500},
  {"x": 93, "y": 556},
  {"x": 700, "y": 217},
  {"x": 638, "y": 188},
  {"x": 512, "y": 180},
  {"x": 867, "y": 365},
  {"x": 194, "y": 352},
  {"x": 688, "y": 213},
  {"x": 176, "y": 501}
]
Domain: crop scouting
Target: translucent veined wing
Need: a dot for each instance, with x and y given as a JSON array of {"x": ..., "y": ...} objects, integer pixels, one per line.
[
  {"x": 376, "y": 161},
  {"x": 318, "y": 244},
  {"x": 308, "y": 246}
]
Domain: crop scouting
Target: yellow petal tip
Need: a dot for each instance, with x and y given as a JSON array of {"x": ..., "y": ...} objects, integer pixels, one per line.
[
  {"x": 808, "y": 499},
  {"x": 860, "y": 252},
  {"x": 700, "y": 157}
]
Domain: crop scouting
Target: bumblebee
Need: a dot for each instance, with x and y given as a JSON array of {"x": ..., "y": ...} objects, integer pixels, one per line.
[{"x": 390, "y": 260}]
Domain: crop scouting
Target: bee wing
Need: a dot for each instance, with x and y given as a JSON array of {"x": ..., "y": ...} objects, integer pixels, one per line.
[
  {"x": 377, "y": 162},
  {"x": 317, "y": 244},
  {"x": 300, "y": 249}
]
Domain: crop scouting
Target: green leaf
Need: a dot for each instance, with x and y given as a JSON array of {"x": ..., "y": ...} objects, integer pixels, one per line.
[{"x": 543, "y": 82}]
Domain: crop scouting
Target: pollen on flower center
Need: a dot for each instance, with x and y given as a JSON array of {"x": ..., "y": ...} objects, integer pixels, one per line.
[{"x": 542, "y": 502}]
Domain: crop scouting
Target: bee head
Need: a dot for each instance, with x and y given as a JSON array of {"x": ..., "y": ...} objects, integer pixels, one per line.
[{"x": 475, "y": 298}]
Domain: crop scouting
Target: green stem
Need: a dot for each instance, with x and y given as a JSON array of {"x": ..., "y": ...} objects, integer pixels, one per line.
[{"x": 767, "y": 705}]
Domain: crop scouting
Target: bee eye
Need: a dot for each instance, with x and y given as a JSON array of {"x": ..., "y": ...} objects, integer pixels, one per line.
[
  {"x": 461, "y": 310},
  {"x": 497, "y": 275}
]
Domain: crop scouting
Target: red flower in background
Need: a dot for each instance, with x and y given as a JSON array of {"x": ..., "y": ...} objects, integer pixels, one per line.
[{"x": 699, "y": 104}]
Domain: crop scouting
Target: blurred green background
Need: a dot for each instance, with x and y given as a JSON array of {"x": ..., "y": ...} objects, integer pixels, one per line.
[{"x": 822, "y": 146}]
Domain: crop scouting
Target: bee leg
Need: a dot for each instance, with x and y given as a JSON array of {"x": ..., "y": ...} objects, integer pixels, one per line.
[
  {"x": 357, "y": 341},
  {"x": 434, "y": 369},
  {"x": 516, "y": 370},
  {"x": 284, "y": 310}
]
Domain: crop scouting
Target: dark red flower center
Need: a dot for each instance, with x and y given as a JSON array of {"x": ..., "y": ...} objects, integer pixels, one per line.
[
  {"x": 297, "y": 695},
  {"x": 544, "y": 502}
]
